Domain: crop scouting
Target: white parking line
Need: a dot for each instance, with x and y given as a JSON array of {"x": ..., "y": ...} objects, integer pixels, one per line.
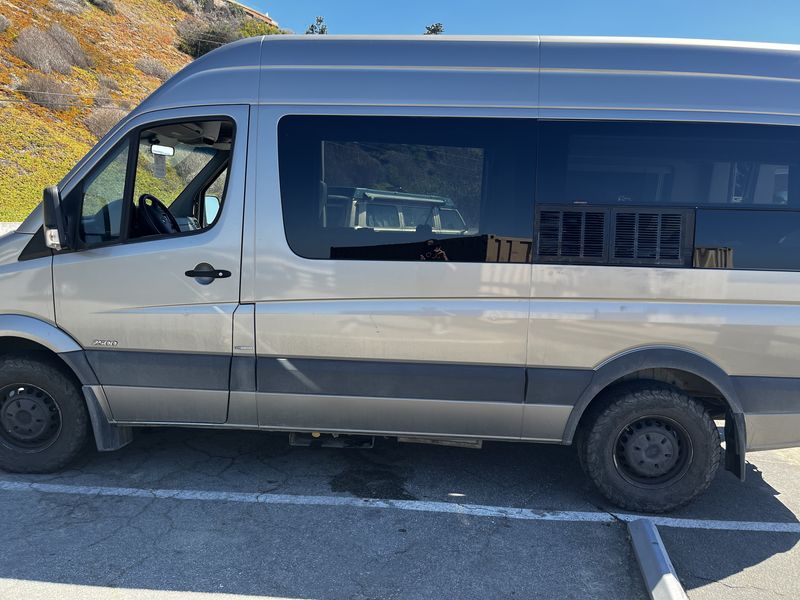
[
  {"x": 21, "y": 588},
  {"x": 472, "y": 510}
]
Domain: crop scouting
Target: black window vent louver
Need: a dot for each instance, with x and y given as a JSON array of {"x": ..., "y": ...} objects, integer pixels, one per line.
[
  {"x": 648, "y": 237},
  {"x": 572, "y": 234},
  {"x": 614, "y": 235}
]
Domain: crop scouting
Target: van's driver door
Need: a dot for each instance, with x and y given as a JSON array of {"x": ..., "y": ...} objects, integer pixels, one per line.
[{"x": 152, "y": 286}]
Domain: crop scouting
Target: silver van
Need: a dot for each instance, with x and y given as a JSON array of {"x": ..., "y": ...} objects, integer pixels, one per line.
[{"x": 620, "y": 267}]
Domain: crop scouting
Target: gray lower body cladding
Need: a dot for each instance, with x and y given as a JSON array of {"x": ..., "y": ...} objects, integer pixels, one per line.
[
  {"x": 385, "y": 379},
  {"x": 141, "y": 386}
]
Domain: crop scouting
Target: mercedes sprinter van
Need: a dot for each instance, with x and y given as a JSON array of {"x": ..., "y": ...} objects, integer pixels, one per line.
[{"x": 542, "y": 239}]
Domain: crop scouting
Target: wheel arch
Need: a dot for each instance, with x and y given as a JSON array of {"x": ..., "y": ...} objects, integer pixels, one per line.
[
  {"x": 40, "y": 332},
  {"x": 617, "y": 369},
  {"x": 21, "y": 334}
]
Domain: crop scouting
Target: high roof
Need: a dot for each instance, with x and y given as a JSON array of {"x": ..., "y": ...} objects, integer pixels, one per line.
[{"x": 535, "y": 72}]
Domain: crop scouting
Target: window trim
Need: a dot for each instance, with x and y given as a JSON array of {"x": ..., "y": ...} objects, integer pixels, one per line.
[{"x": 133, "y": 137}]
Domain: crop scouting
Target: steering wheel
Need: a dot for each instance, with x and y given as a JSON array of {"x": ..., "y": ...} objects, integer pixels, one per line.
[{"x": 156, "y": 215}]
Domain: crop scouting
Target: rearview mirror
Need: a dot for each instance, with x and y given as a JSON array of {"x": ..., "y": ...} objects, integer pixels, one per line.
[
  {"x": 160, "y": 154},
  {"x": 55, "y": 230},
  {"x": 159, "y": 150}
]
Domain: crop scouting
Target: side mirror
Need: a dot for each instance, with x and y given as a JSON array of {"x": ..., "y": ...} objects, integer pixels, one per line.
[
  {"x": 55, "y": 230},
  {"x": 211, "y": 207}
]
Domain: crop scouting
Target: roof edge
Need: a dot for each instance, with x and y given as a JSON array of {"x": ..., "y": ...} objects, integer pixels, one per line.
[
  {"x": 667, "y": 41},
  {"x": 569, "y": 39}
]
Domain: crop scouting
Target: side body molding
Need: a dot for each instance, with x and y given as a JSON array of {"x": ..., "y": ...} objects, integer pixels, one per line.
[{"x": 654, "y": 357}]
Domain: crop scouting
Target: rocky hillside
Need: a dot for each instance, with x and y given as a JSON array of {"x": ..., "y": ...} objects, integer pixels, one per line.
[{"x": 69, "y": 69}]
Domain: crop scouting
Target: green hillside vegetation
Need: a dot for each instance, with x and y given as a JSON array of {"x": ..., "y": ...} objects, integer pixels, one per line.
[{"x": 70, "y": 69}]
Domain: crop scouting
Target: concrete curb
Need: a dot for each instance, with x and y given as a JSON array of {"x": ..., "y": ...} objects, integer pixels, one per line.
[
  {"x": 8, "y": 227},
  {"x": 658, "y": 573}
]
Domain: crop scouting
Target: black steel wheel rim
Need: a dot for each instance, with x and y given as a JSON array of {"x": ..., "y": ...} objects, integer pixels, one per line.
[
  {"x": 652, "y": 452},
  {"x": 30, "y": 418}
]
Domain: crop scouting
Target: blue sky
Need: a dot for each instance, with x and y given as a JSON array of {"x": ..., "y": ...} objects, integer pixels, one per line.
[{"x": 760, "y": 20}]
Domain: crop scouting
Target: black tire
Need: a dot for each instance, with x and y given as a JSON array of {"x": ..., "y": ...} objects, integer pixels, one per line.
[
  {"x": 44, "y": 424},
  {"x": 648, "y": 447}
]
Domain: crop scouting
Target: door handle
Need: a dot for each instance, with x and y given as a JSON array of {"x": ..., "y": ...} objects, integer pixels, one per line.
[{"x": 205, "y": 274}]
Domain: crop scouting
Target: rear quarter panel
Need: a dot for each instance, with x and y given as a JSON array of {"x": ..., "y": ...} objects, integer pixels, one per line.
[{"x": 747, "y": 322}]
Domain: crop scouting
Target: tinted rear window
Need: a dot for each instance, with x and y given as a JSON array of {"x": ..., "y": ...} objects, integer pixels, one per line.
[
  {"x": 733, "y": 239},
  {"x": 669, "y": 164},
  {"x": 380, "y": 188}
]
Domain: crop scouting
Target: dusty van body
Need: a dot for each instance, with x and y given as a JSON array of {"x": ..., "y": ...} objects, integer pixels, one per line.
[{"x": 627, "y": 272}]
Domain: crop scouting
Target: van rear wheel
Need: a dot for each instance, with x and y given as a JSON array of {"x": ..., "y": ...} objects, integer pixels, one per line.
[
  {"x": 649, "y": 447},
  {"x": 44, "y": 424}
]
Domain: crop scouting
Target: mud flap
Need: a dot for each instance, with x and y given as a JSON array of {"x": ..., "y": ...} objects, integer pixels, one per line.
[
  {"x": 735, "y": 444},
  {"x": 107, "y": 437}
]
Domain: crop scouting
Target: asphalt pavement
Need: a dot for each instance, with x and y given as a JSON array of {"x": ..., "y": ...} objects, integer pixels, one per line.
[{"x": 219, "y": 514}]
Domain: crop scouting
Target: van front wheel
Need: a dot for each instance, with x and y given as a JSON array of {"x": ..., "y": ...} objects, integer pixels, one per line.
[
  {"x": 43, "y": 418},
  {"x": 650, "y": 448}
]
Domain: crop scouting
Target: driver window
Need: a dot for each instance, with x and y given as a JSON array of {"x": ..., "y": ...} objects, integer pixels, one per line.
[
  {"x": 177, "y": 166},
  {"x": 102, "y": 199}
]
